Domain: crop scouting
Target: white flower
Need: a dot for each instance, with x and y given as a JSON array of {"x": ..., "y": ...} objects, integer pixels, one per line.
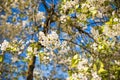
[
  {"x": 91, "y": 8},
  {"x": 94, "y": 46},
  {"x": 41, "y": 34},
  {"x": 85, "y": 5},
  {"x": 14, "y": 59},
  {"x": 74, "y": 76},
  {"x": 21, "y": 41},
  {"x": 117, "y": 62},
  {"x": 63, "y": 18},
  {"x": 69, "y": 4},
  {"x": 115, "y": 31},
  {"x": 32, "y": 41},
  {"x": 37, "y": 72},
  {"x": 113, "y": 13},
  {"x": 50, "y": 41},
  {"x": 95, "y": 33},
  {"x": 95, "y": 76},
  {"x": 35, "y": 51},
  {"x": 40, "y": 15},
  {"x": 82, "y": 76},
  {"x": 85, "y": 61},
  {"x": 42, "y": 24},
  {"x": 24, "y": 23},
  {"x": 82, "y": 41},
  {"x": 4, "y": 45},
  {"x": 19, "y": 52},
  {"x": 81, "y": 65},
  {"x": 115, "y": 19},
  {"x": 22, "y": 47},
  {"x": 28, "y": 56},
  {"x": 99, "y": 14},
  {"x": 30, "y": 49},
  {"x": 54, "y": 34}
]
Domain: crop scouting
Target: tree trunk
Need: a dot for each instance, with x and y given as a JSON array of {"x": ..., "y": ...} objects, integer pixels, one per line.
[{"x": 31, "y": 67}]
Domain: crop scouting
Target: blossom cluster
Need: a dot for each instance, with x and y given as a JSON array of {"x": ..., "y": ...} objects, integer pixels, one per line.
[
  {"x": 63, "y": 18},
  {"x": 12, "y": 47},
  {"x": 40, "y": 16},
  {"x": 83, "y": 73},
  {"x": 4, "y": 45},
  {"x": 49, "y": 41},
  {"x": 112, "y": 32},
  {"x": 32, "y": 50},
  {"x": 95, "y": 76},
  {"x": 69, "y": 4}
]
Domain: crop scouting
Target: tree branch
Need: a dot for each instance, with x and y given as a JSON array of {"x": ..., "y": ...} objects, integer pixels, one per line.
[
  {"x": 31, "y": 67},
  {"x": 77, "y": 44}
]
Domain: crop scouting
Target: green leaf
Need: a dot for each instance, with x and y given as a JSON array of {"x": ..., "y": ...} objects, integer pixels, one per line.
[
  {"x": 94, "y": 67},
  {"x": 41, "y": 56},
  {"x": 101, "y": 70},
  {"x": 76, "y": 56},
  {"x": 94, "y": 12},
  {"x": 64, "y": 0},
  {"x": 70, "y": 73},
  {"x": 106, "y": 3},
  {"x": 74, "y": 63},
  {"x": 1, "y": 58},
  {"x": 77, "y": 6},
  {"x": 71, "y": 78},
  {"x": 118, "y": 68},
  {"x": 101, "y": 65},
  {"x": 75, "y": 60}
]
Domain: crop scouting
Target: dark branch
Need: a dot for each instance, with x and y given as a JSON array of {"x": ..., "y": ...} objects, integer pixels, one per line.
[
  {"x": 85, "y": 48},
  {"x": 31, "y": 67}
]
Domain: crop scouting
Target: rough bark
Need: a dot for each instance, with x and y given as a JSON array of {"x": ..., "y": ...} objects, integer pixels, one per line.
[{"x": 31, "y": 67}]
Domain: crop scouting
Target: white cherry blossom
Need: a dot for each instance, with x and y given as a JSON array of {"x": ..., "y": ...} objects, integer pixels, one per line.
[{"x": 4, "y": 45}]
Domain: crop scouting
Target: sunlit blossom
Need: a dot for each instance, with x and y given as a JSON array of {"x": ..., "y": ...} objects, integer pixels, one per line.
[
  {"x": 4, "y": 45},
  {"x": 30, "y": 49},
  {"x": 95, "y": 76},
  {"x": 14, "y": 59}
]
